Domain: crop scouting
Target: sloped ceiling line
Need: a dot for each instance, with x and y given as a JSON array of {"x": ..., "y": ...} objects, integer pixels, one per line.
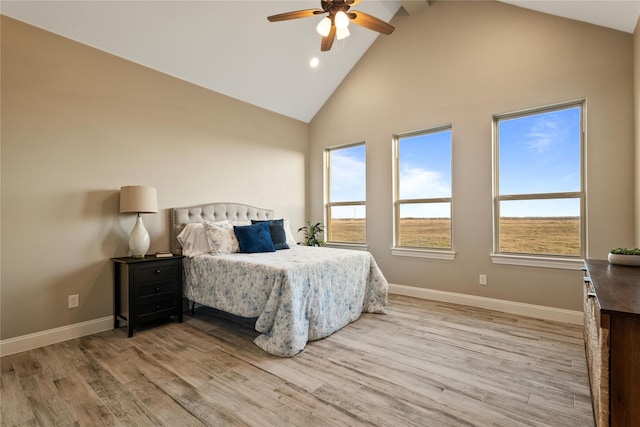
[{"x": 228, "y": 46}]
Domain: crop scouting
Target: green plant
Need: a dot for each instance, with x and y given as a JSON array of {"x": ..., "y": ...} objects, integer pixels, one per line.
[
  {"x": 626, "y": 251},
  {"x": 312, "y": 234}
]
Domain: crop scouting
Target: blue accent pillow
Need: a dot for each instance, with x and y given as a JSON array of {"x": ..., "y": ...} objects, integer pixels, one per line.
[
  {"x": 254, "y": 238},
  {"x": 276, "y": 228}
]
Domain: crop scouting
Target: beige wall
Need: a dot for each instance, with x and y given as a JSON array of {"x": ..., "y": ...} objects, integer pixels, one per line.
[
  {"x": 77, "y": 124},
  {"x": 460, "y": 63}
]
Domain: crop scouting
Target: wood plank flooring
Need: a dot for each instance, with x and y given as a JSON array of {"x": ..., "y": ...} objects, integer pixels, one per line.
[{"x": 423, "y": 364}]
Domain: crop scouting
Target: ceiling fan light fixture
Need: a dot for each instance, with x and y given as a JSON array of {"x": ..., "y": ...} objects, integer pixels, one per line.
[
  {"x": 324, "y": 26},
  {"x": 342, "y": 33},
  {"x": 341, "y": 20},
  {"x": 335, "y": 24}
]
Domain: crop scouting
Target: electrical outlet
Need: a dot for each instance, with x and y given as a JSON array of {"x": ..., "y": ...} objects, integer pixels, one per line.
[
  {"x": 483, "y": 279},
  {"x": 74, "y": 301}
]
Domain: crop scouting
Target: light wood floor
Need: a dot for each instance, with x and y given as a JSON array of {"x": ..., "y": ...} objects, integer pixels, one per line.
[{"x": 423, "y": 364}]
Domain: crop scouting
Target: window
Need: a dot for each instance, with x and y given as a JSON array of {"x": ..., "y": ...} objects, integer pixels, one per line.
[
  {"x": 423, "y": 189},
  {"x": 346, "y": 194},
  {"x": 539, "y": 199}
]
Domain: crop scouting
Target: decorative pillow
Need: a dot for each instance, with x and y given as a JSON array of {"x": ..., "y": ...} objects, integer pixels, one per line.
[
  {"x": 193, "y": 240},
  {"x": 291, "y": 240},
  {"x": 221, "y": 238},
  {"x": 276, "y": 228},
  {"x": 254, "y": 238}
]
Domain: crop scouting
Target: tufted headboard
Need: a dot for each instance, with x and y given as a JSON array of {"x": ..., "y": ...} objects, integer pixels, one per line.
[{"x": 180, "y": 217}]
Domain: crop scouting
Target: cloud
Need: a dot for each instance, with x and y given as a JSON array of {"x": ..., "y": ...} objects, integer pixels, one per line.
[
  {"x": 544, "y": 133},
  {"x": 420, "y": 183},
  {"x": 426, "y": 210},
  {"x": 348, "y": 178}
]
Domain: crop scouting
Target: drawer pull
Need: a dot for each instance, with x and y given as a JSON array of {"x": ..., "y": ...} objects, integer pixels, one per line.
[
  {"x": 157, "y": 307},
  {"x": 586, "y": 279},
  {"x": 157, "y": 271},
  {"x": 591, "y": 294},
  {"x": 158, "y": 289}
]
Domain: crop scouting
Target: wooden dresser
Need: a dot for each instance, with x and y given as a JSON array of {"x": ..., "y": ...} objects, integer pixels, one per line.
[{"x": 612, "y": 341}]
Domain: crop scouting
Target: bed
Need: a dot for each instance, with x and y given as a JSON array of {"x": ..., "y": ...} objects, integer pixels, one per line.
[{"x": 296, "y": 295}]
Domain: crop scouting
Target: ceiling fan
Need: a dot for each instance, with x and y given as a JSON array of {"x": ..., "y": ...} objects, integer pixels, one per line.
[{"x": 336, "y": 22}]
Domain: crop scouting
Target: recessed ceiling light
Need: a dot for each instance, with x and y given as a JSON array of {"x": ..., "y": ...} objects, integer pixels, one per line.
[{"x": 314, "y": 62}]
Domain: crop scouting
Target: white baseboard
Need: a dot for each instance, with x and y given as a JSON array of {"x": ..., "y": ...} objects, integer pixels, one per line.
[
  {"x": 64, "y": 333},
  {"x": 523, "y": 309},
  {"x": 52, "y": 336}
]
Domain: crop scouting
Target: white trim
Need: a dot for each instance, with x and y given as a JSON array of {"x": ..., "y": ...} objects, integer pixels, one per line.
[
  {"x": 56, "y": 335},
  {"x": 354, "y": 246},
  {"x": 531, "y": 261},
  {"x": 64, "y": 333},
  {"x": 424, "y": 253},
  {"x": 513, "y": 307}
]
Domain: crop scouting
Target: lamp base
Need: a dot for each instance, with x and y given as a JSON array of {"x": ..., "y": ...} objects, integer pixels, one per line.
[{"x": 139, "y": 241}]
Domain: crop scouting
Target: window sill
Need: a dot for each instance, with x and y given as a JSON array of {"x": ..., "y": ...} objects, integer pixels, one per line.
[
  {"x": 354, "y": 246},
  {"x": 424, "y": 253},
  {"x": 532, "y": 261}
]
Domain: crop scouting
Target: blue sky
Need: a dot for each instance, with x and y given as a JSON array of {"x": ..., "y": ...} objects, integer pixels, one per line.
[
  {"x": 425, "y": 166},
  {"x": 348, "y": 180},
  {"x": 425, "y": 172},
  {"x": 538, "y": 153}
]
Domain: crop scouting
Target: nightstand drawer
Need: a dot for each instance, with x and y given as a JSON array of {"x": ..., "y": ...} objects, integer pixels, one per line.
[
  {"x": 155, "y": 289},
  {"x": 146, "y": 289},
  {"x": 156, "y": 273},
  {"x": 157, "y": 306}
]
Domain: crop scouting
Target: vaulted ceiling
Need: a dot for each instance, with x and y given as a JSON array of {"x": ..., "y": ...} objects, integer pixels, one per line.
[{"x": 231, "y": 48}]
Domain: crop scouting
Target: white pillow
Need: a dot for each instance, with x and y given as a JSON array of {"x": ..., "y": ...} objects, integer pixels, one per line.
[
  {"x": 193, "y": 240},
  {"x": 291, "y": 240},
  {"x": 221, "y": 237}
]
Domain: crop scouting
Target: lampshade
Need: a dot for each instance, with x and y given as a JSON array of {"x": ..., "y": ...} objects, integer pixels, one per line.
[
  {"x": 341, "y": 20},
  {"x": 324, "y": 27},
  {"x": 138, "y": 199}
]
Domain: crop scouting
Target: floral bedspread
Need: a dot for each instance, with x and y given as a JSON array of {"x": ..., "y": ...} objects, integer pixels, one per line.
[{"x": 298, "y": 295}]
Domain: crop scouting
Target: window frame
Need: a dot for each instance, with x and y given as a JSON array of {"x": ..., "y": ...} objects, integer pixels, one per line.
[
  {"x": 419, "y": 251},
  {"x": 327, "y": 196},
  {"x": 539, "y": 259}
]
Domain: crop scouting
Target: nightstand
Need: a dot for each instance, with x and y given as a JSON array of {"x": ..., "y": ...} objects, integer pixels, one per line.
[{"x": 146, "y": 289}]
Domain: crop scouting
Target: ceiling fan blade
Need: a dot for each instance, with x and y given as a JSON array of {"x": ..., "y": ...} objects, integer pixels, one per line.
[
  {"x": 370, "y": 22},
  {"x": 294, "y": 15},
  {"x": 327, "y": 41}
]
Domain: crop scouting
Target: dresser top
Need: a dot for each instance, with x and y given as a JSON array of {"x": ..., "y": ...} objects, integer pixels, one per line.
[{"x": 617, "y": 287}]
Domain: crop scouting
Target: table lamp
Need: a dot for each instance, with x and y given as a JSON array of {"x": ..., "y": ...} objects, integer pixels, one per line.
[{"x": 138, "y": 199}]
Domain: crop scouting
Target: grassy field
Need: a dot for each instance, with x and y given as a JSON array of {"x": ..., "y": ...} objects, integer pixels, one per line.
[
  {"x": 552, "y": 236},
  {"x": 347, "y": 231},
  {"x": 425, "y": 233}
]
